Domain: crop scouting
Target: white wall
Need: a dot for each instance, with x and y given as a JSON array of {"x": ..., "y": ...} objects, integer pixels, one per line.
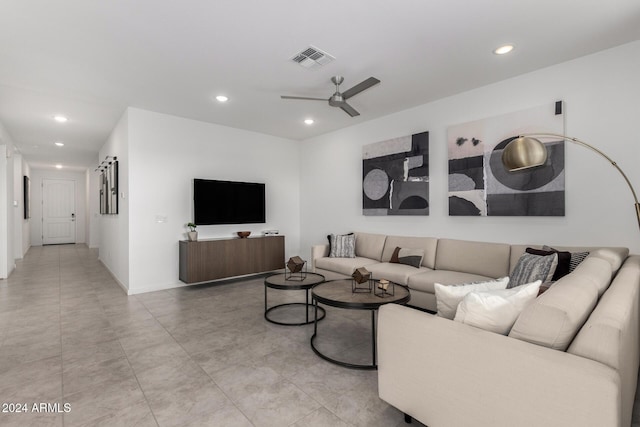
[
  {"x": 20, "y": 225},
  {"x": 7, "y": 211},
  {"x": 93, "y": 208},
  {"x": 166, "y": 154},
  {"x": 601, "y": 94},
  {"x": 37, "y": 177},
  {"x": 6, "y": 181},
  {"x": 114, "y": 229},
  {"x": 25, "y": 224}
]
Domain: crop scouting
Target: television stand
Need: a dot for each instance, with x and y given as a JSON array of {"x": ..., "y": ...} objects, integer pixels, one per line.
[{"x": 212, "y": 259}]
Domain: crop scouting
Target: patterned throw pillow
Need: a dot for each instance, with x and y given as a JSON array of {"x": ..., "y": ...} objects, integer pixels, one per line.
[
  {"x": 342, "y": 245},
  {"x": 412, "y": 257},
  {"x": 533, "y": 267},
  {"x": 576, "y": 257}
]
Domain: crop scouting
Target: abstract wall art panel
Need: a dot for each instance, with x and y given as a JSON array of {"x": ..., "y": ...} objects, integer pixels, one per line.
[
  {"x": 479, "y": 185},
  {"x": 395, "y": 176},
  {"x": 108, "y": 186}
]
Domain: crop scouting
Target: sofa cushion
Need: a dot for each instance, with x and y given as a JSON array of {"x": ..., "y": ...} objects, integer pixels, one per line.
[
  {"x": 370, "y": 245},
  {"x": 425, "y": 281},
  {"x": 533, "y": 267},
  {"x": 555, "y": 317},
  {"x": 449, "y": 296},
  {"x": 597, "y": 271},
  {"x": 344, "y": 265},
  {"x": 496, "y": 310},
  {"x": 614, "y": 255},
  {"x": 342, "y": 245},
  {"x": 427, "y": 244},
  {"x": 610, "y": 335},
  {"x": 485, "y": 259},
  {"x": 398, "y": 273}
]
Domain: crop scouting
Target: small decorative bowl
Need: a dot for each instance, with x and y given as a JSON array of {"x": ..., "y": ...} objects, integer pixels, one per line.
[{"x": 243, "y": 234}]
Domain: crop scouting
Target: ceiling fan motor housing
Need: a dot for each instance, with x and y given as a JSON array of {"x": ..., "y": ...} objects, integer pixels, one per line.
[{"x": 336, "y": 100}]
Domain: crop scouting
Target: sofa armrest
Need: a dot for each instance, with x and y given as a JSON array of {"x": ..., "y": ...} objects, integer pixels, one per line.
[
  {"x": 445, "y": 373},
  {"x": 318, "y": 251}
]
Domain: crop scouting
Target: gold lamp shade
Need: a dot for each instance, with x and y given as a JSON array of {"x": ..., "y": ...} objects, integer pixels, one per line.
[{"x": 524, "y": 152}]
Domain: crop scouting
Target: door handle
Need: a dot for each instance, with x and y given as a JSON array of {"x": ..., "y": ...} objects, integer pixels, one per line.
[{"x": 73, "y": 217}]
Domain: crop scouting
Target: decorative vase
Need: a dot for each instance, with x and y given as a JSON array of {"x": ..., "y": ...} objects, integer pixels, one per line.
[{"x": 192, "y": 235}]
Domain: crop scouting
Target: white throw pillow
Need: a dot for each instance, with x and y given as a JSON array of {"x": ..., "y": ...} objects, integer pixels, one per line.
[
  {"x": 496, "y": 311},
  {"x": 449, "y": 296}
]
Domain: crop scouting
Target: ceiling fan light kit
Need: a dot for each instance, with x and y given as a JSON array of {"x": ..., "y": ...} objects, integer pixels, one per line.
[{"x": 339, "y": 99}]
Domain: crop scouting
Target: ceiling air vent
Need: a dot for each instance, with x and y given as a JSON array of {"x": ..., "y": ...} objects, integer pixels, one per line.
[{"x": 312, "y": 57}]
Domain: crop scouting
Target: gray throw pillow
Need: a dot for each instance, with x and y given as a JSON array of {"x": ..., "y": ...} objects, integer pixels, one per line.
[
  {"x": 533, "y": 267},
  {"x": 342, "y": 246}
]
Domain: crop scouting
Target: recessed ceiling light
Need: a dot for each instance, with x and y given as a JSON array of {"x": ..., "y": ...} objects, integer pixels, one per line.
[
  {"x": 503, "y": 49},
  {"x": 222, "y": 98},
  {"x": 58, "y": 166},
  {"x": 60, "y": 119},
  {"x": 59, "y": 144},
  {"x": 308, "y": 121}
]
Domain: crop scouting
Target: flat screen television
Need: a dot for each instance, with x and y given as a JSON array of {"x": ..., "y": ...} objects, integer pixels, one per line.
[{"x": 228, "y": 202}]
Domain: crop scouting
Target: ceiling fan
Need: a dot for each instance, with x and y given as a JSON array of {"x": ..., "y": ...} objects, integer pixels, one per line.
[{"x": 340, "y": 99}]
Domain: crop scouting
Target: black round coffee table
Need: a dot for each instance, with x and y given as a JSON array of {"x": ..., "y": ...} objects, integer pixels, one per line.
[
  {"x": 279, "y": 281},
  {"x": 337, "y": 293}
]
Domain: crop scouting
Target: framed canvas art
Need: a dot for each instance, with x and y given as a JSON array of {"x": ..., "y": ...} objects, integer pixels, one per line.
[
  {"x": 479, "y": 185},
  {"x": 395, "y": 176}
]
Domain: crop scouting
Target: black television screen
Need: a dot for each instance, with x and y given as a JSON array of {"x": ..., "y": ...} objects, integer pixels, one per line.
[{"x": 228, "y": 202}]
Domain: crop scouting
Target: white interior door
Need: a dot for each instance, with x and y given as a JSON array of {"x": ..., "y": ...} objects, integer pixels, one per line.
[{"x": 58, "y": 211}]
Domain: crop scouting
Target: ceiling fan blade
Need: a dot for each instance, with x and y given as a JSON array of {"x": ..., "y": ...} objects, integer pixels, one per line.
[
  {"x": 366, "y": 84},
  {"x": 303, "y": 97},
  {"x": 349, "y": 110}
]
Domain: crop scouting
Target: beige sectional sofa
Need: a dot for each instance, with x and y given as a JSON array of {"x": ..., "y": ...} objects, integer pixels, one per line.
[{"x": 571, "y": 358}]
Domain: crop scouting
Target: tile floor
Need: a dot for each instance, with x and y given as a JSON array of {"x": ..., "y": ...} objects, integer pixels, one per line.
[{"x": 194, "y": 356}]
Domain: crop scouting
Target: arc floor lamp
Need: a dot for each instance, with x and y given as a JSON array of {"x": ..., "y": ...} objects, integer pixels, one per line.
[{"x": 527, "y": 151}]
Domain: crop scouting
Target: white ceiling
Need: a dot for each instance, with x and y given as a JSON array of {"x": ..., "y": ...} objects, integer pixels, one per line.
[{"x": 90, "y": 59}]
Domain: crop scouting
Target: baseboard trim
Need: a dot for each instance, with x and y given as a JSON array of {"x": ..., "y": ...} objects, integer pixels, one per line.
[
  {"x": 124, "y": 287},
  {"x": 224, "y": 280},
  {"x": 157, "y": 288}
]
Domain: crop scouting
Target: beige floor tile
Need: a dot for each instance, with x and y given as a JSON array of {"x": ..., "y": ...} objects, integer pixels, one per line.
[
  {"x": 277, "y": 404},
  {"x": 80, "y": 376},
  {"x": 113, "y": 400}
]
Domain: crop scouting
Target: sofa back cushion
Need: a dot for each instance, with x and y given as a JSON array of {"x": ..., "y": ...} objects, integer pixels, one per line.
[
  {"x": 370, "y": 245},
  {"x": 556, "y": 316},
  {"x": 427, "y": 244},
  {"x": 611, "y": 334},
  {"x": 486, "y": 259}
]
